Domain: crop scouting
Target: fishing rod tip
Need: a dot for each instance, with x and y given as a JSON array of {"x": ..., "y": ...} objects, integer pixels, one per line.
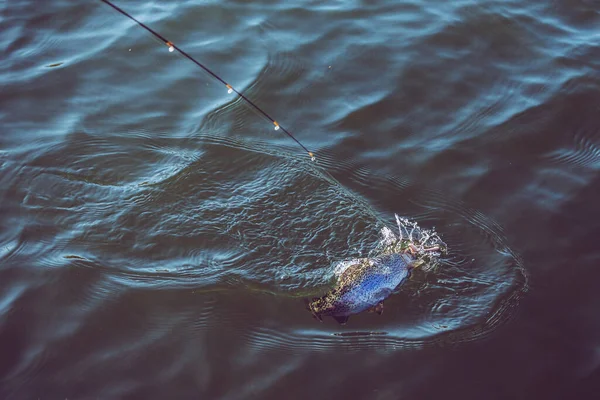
[{"x": 312, "y": 156}]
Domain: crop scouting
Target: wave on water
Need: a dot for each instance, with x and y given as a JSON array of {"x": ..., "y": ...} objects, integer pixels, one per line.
[
  {"x": 261, "y": 237},
  {"x": 473, "y": 290}
]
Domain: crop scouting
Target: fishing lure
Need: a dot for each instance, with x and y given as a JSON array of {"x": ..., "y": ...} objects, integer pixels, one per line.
[{"x": 364, "y": 283}]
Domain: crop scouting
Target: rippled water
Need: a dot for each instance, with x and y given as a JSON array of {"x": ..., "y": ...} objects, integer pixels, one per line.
[{"x": 158, "y": 237}]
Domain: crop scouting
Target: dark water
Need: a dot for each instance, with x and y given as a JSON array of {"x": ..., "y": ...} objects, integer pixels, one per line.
[{"x": 158, "y": 236}]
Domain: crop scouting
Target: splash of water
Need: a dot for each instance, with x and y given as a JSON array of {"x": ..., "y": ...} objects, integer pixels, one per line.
[{"x": 425, "y": 244}]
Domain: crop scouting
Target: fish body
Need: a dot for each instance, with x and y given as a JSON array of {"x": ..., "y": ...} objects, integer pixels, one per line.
[{"x": 363, "y": 285}]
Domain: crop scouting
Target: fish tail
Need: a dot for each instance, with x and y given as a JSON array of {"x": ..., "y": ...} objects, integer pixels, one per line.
[{"x": 315, "y": 314}]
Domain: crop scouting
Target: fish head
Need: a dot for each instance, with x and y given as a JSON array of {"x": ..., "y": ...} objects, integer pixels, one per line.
[{"x": 429, "y": 258}]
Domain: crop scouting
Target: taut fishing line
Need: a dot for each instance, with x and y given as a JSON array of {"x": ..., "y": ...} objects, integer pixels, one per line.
[
  {"x": 402, "y": 223},
  {"x": 230, "y": 89}
]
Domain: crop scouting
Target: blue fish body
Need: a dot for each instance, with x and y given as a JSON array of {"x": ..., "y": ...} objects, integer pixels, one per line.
[
  {"x": 363, "y": 285},
  {"x": 377, "y": 283}
]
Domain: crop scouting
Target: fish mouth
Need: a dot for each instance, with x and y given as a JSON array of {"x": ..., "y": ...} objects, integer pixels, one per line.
[
  {"x": 418, "y": 242},
  {"x": 440, "y": 248},
  {"x": 427, "y": 255}
]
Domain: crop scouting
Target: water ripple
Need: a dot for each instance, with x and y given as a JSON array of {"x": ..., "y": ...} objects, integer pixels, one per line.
[{"x": 156, "y": 229}]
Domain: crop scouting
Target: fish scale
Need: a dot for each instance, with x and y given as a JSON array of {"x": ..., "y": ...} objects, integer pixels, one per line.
[
  {"x": 377, "y": 282},
  {"x": 363, "y": 285}
]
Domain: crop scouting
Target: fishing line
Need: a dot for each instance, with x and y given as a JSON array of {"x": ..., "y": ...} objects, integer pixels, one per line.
[
  {"x": 230, "y": 89},
  {"x": 172, "y": 47}
]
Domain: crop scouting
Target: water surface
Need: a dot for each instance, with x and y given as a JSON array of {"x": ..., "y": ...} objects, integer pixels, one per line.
[{"x": 158, "y": 236}]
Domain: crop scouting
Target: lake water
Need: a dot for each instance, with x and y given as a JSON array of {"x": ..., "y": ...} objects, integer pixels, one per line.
[{"x": 158, "y": 237}]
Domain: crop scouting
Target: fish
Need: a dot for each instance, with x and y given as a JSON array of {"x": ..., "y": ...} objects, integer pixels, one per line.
[{"x": 364, "y": 284}]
